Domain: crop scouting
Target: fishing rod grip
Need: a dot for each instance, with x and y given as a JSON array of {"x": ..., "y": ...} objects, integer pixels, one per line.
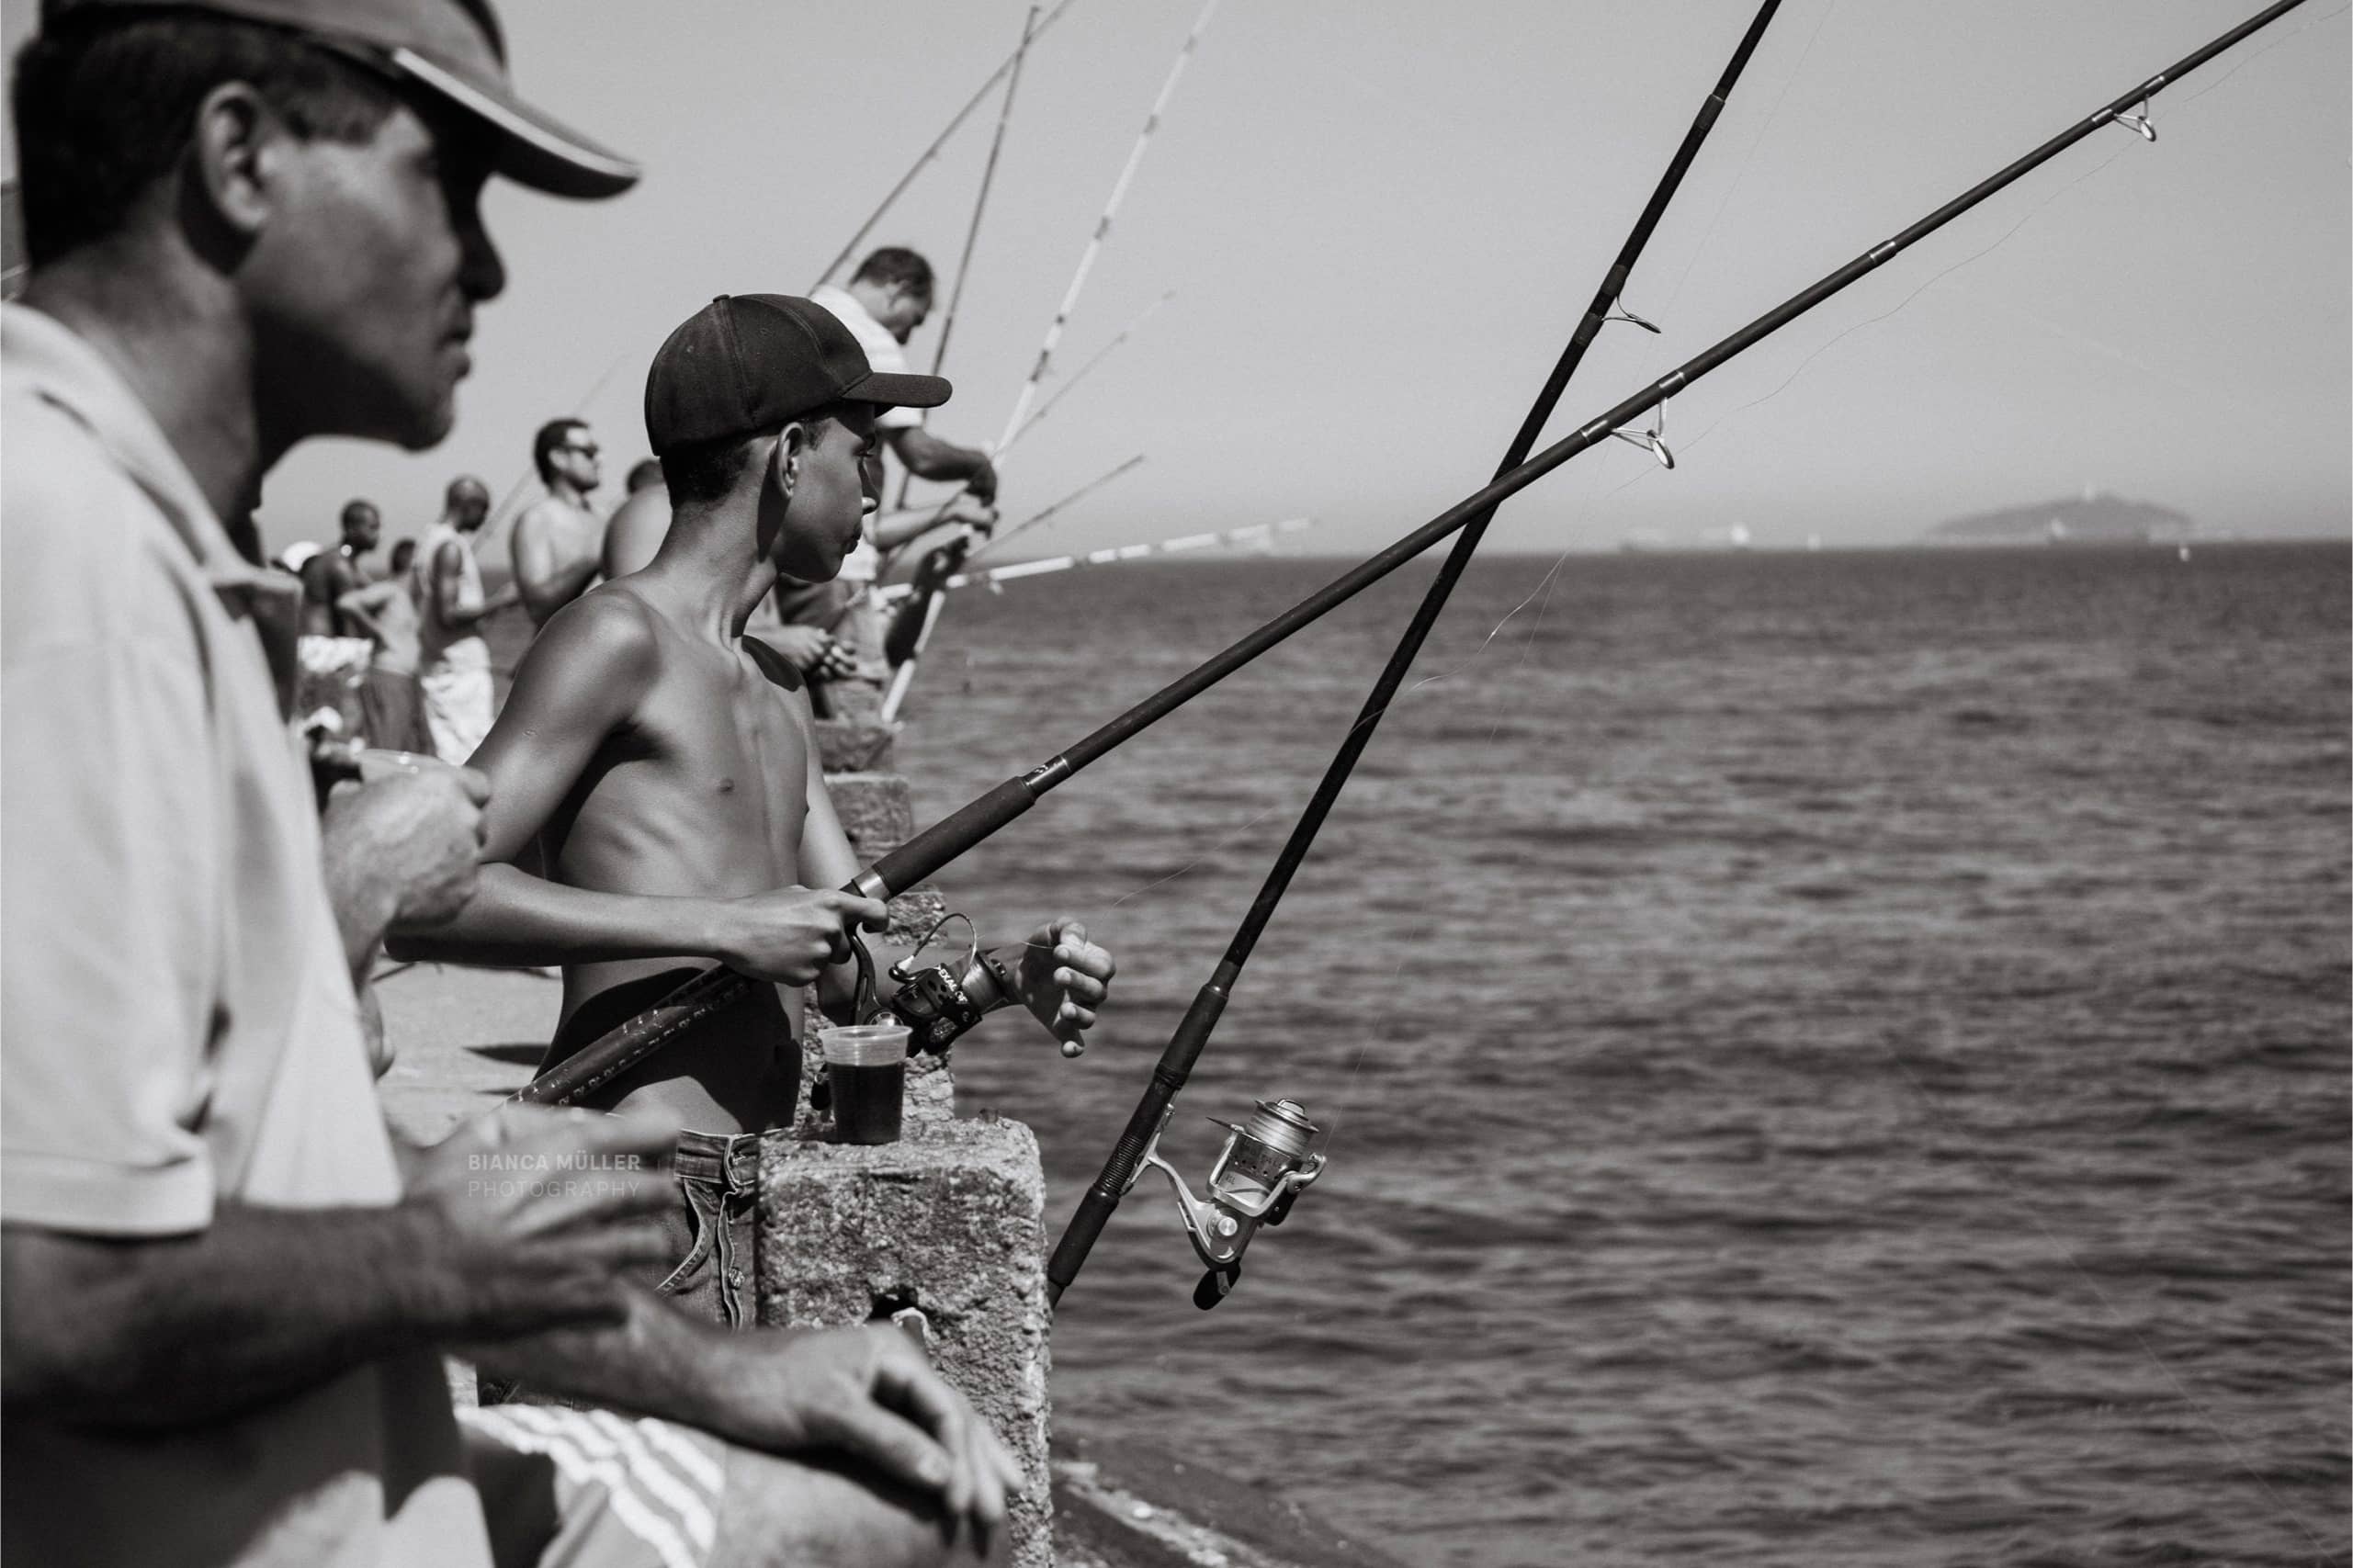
[
  {"x": 1143, "y": 1125},
  {"x": 619, "y": 1049},
  {"x": 941, "y": 843}
]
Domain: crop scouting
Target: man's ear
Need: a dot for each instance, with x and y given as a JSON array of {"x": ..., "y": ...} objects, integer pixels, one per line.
[
  {"x": 785, "y": 462},
  {"x": 236, "y": 159}
]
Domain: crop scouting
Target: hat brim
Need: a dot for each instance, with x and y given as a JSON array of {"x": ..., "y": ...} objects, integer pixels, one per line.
[
  {"x": 533, "y": 148},
  {"x": 899, "y": 391}
]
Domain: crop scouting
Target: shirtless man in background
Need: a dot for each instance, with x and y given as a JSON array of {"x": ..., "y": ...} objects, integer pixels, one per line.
[
  {"x": 330, "y": 574},
  {"x": 667, "y": 767},
  {"x": 392, "y": 705},
  {"x": 560, "y": 540},
  {"x": 453, "y": 659}
]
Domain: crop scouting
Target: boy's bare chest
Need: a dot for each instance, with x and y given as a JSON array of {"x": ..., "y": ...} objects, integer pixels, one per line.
[{"x": 732, "y": 755}]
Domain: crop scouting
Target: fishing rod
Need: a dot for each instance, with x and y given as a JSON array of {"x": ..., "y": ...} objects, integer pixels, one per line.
[
  {"x": 979, "y": 207},
  {"x": 1260, "y": 536},
  {"x": 942, "y": 843},
  {"x": 966, "y": 533},
  {"x": 980, "y": 202},
  {"x": 929, "y": 579},
  {"x": 1011, "y": 63},
  {"x": 1273, "y": 1147},
  {"x": 904, "y": 676}
]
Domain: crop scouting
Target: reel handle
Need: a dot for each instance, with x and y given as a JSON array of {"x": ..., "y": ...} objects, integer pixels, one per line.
[{"x": 1216, "y": 1285}]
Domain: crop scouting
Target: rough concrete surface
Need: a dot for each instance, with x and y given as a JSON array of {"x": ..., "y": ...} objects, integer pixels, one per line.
[
  {"x": 852, "y": 746},
  {"x": 948, "y": 1221}
]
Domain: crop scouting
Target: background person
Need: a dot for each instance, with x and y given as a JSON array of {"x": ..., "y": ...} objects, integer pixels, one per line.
[
  {"x": 391, "y": 703},
  {"x": 328, "y": 575},
  {"x": 559, "y": 540},
  {"x": 453, "y": 657},
  {"x": 886, "y": 298}
]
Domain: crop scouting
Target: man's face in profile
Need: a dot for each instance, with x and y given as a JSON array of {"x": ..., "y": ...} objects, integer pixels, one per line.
[{"x": 367, "y": 273}]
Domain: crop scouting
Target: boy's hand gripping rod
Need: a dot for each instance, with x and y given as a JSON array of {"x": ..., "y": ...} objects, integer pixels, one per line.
[{"x": 940, "y": 844}]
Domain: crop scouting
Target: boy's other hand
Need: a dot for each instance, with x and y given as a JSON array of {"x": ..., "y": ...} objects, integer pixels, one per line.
[
  {"x": 793, "y": 933},
  {"x": 804, "y": 648},
  {"x": 1064, "y": 977},
  {"x": 532, "y": 1218},
  {"x": 972, "y": 512}
]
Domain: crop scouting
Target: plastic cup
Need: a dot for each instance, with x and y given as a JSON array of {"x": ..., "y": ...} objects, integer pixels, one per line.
[{"x": 866, "y": 1069}]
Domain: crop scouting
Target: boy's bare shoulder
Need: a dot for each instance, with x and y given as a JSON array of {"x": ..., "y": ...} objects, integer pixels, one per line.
[{"x": 608, "y": 631}]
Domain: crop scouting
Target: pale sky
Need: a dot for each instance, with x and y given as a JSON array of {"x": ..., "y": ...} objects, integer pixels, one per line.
[{"x": 1381, "y": 222}]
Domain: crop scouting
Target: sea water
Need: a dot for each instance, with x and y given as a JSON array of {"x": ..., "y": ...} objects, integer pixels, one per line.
[{"x": 1831, "y": 1059}]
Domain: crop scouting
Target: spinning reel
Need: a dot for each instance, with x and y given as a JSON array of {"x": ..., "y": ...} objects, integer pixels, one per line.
[{"x": 1262, "y": 1169}]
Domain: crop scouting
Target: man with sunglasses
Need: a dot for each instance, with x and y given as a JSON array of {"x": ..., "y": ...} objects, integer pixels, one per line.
[
  {"x": 559, "y": 540},
  {"x": 223, "y": 1296}
]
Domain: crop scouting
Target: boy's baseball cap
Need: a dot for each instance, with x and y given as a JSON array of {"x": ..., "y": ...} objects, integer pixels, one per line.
[
  {"x": 747, "y": 363},
  {"x": 452, "y": 49}
]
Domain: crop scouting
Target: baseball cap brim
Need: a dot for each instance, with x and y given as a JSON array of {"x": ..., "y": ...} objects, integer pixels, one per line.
[
  {"x": 899, "y": 391},
  {"x": 534, "y": 149}
]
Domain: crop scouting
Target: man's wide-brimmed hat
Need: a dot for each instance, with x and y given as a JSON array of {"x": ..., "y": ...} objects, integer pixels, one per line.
[
  {"x": 748, "y": 363},
  {"x": 451, "y": 49}
]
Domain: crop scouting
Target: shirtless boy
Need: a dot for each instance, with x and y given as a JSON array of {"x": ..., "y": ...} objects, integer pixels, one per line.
[
  {"x": 559, "y": 540},
  {"x": 667, "y": 766}
]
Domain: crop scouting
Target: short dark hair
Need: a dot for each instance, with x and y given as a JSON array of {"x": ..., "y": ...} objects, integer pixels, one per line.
[
  {"x": 703, "y": 471},
  {"x": 353, "y": 510},
  {"x": 403, "y": 552},
  {"x": 896, "y": 264},
  {"x": 106, "y": 106},
  {"x": 552, "y": 434},
  {"x": 644, "y": 474}
]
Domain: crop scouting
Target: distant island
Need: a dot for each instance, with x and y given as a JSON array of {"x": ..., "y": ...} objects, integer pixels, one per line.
[{"x": 2095, "y": 517}]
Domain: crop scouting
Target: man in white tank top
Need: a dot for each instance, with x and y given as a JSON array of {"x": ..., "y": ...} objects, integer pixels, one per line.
[{"x": 454, "y": 662}]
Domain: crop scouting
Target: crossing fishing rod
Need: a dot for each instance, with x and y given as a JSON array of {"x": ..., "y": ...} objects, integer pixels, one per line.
[
  {"x": 942, "y": 843},
  {"x": 904, "y": 675},
  {"x": 1282, "y": 1170},
  {"x": 1010, "y": 65},
  {"x": 979, "y": 208}
]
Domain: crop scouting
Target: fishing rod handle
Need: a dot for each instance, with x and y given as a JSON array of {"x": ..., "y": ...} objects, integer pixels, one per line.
[
  {"x": 1152, "y": 1113},
  {"x": 944, "y": 840},
  {"x": 616, "y": 1052}
]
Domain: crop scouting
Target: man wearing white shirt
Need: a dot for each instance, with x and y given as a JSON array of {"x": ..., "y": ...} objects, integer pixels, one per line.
[{"x": 888, "y": 298}]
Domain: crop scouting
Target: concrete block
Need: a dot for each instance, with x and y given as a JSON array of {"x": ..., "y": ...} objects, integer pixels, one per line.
[
  {"x": 876, "y": 810},
  {"x": 852, "y": 746},
  {"x": 949, "y": 1221},
  {"x": 859, "y": 701}
]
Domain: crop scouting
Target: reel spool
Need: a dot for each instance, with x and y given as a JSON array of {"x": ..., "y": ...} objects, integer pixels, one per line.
[{"x": 1256, "y": 1177}]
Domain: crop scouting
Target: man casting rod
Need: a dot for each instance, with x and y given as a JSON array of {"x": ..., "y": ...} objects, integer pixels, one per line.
[
  {"x": 944, "y": 842},
  {"x": 1192, "y": 1036}
]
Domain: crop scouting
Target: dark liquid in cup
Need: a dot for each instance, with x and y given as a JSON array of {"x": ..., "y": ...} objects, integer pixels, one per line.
[{"x": 867, "y": 1101}]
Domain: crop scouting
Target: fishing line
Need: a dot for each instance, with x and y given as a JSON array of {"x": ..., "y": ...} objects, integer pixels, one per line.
[{"x": 1676, "y": 294}]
